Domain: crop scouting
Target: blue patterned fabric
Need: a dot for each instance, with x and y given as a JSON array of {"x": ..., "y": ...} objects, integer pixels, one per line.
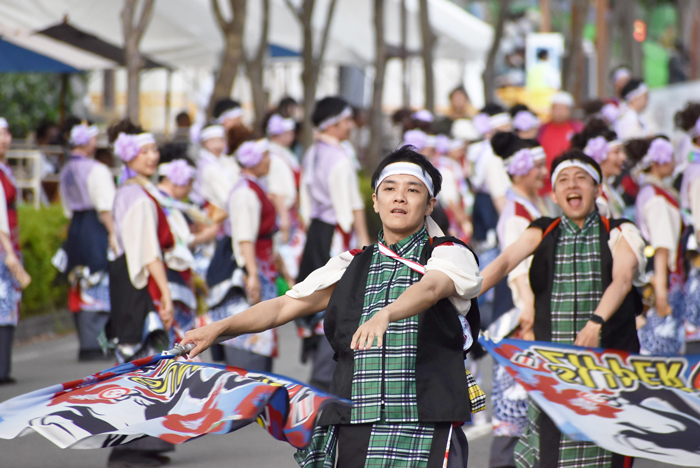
[
  {"x": 665, "y": 336},
  {"x": 10, "y": 295}
]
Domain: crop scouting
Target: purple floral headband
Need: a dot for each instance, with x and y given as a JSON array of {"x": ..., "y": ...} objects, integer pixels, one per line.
[
  {"x": 525, "y": 120},
  {"x": 521, "y": 162},
  {"x": 250, "y": 153},
  {"x": 81, "y": 134},
  {"x": 660, "y": 152},
  {"x": 178, "y": 172}
]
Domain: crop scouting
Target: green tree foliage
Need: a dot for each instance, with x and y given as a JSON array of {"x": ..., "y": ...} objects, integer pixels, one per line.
[
  {"x": 26, "y": 99},
  {"x": 41, "y": 233}
]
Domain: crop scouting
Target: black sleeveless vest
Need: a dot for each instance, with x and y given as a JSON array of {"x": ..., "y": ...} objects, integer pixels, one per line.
[
  {"x": 620, "y": 331},
  {"x": 441, "y": 386}
]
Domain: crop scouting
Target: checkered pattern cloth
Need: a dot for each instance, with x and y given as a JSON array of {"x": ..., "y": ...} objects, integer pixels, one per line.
[
  {"x": 388, "y": 374},
  {"x": 578, "y": 286},
  {"x": 576, "y": 292}
]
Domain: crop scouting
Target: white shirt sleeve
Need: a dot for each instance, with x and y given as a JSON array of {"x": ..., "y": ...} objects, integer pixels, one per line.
[
  {"x": 139, "y": 238},
  {"x": 460, "y": 265},
  {"x": 496, "y": 180},
  {"x": 514, "y": 228},
  {"x": 323, "y": 277},
  {"x": 631, "y": 234},
  {"x": 101, "y": 188},
  {"x": 4, "y": 221},
  {"x": 216, "y": 186},
  {"x": 449, "y": 193},
  {"x": 603, "y": 207},
  {"x": 663, "y": 224},
  {"x": 345, "y": 193},
  {"x": 244, "y": 212},
  {"x": 280, "y": 180}
]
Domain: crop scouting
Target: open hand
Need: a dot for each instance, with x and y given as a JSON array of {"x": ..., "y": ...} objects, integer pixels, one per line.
[{"x": 371, "y": 329}]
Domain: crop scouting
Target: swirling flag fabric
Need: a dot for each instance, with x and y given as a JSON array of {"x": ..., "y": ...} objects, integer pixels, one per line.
[
  {"x": 635, "y": 405},
  {"x": 175, "y": 401}
]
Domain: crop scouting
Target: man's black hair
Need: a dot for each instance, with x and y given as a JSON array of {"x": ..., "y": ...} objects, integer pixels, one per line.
[
  {"x": 222, "y": 105},
  {"x": 183, "y": 119},
  {"x": 517, "y": 108},
  {"x": 327, "y": 108},
  {"x": 579, "y": 155},
  {"x": 631, "y": 85},
  {"x": 492, "y": 109},
  {"x": 409, "y": 154}
]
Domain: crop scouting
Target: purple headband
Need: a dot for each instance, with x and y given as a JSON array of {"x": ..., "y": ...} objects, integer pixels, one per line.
[
  {"x": 442, "y": 144},
  {"x": 278, "y": 124},
  {"x": 660, "y": 152},
  {"x": 520, "y": 163},
  {"x": 423, "y": 115},
  {"x": 250, "y": 153},
  {"x": 416, "y": 138},
  {"x": 177, "y": 171},
  {"x": 482, "y": 123},
  {"x": 126, "y": 147},
  {"x": 81, "y": 134},
  {"x": 610, "y": 112},
  {"x": 525, "y": 120},
  {"x": 597, "y": 148}
]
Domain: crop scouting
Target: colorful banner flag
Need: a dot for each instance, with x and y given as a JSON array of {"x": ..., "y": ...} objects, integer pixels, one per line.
[
  {"x": 173, "y": 400},
  {"x": 634, "y": 405}
]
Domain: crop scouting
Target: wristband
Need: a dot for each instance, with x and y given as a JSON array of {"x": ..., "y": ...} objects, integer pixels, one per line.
[{"x": 597, "y": 319}]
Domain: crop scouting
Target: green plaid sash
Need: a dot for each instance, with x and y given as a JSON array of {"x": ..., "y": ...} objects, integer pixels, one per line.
[{"x": 576, "y": 292}]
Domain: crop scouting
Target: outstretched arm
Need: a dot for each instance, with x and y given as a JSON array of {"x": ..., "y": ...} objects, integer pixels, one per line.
[
  {"x": 433, "y": 287},
  {"x": 260, "y": 317},
  {"x": 510, "y": 258}
]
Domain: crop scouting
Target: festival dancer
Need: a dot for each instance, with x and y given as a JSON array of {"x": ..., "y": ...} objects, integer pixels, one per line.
[
  {"x": 87, "y": 194},
  {"x": 630, "y": 124},
  {"x": 139, "y": 291},
  {"x": 173, "y": 189},
  {"x": 688, "y": 154},
  {"x": 659, "y": 219},
  {"x": 332, "y": 207},
  {"x": 597, "y": 308},
  {"x": 525, "y": 162},
  {"x": 410, "y": 292},
  {"x": 283, "y": 189},
  {"x": 12, "y": 275},
  {"x": 217, "y": 173},
  {"x": 249, "y": 236},
  {"x": 599, "y": 142}
]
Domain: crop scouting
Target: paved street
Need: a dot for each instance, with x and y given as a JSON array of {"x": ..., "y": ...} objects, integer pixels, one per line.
[{"x": 45, "y": 363}]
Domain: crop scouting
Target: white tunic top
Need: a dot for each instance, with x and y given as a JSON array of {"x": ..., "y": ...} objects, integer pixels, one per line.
[{"x": 101, "y": 190}]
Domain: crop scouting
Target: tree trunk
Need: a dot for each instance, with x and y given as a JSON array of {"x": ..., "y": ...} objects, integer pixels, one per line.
[
  {"x": 133, "y": 33},
  {"x": 233, "y": 50},
  {"x": 546, "y": 21},
  {"x": 602, "y": 42},
  {"x": 489, "y": 75},
  {"x": 312, "y": 58},
  {"x": 574, "y": 64},
  {"x": 405, "y": 90},
  {"x": 376, "y": 118},
  {"x": 631, "y": 49},
  {"x": 428, "y": 39},
  {"x": 256, "y": 72}
]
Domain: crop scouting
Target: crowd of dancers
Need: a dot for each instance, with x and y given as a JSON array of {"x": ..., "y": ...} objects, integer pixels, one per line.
[{"x": 243, "y": 217}]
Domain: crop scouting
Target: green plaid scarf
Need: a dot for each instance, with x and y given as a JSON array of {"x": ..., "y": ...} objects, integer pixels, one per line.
[
  {"x": 386, "y": 376},
  {"x": 578, "y": 286},
  {"x": 576, "y": 292}
]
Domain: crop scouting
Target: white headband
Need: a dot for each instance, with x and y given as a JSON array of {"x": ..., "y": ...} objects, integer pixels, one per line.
[
  {"x": 406, "y": 168},
  {"x": 143, "y": 139},
  {"x": 212, "y": 131},
  {"x": 621, "y": 73},
  {"x": 575, "y": 163},
  {"x": 562, "y": 97},
  {"x": 347, "y": 112},
  {"x": 232, "y": 113},
  {"x": 538, "y": 153},
  {"x": 500, "y": 120},
  {"x": 638, "y": 91},
  {"x": 3, "y": 123}
]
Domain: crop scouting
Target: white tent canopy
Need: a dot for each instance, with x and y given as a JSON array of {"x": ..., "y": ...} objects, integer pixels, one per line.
[{"x": 184, "y": 33}]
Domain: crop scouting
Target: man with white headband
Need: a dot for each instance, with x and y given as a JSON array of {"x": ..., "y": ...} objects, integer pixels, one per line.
[
  {"x": 631, "y": 123},
  {"x": 11, "y": 269},
  {"x": 583, "y": 274},
  {"x": 87, "y": 193},
  {"x": 555, "y": 135},
  {"x": 620, "y": 77},
  {"x": 228, "y": 113},
  {"x": 413, "y": 293},
  {"x": 331, "y": 206}
]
